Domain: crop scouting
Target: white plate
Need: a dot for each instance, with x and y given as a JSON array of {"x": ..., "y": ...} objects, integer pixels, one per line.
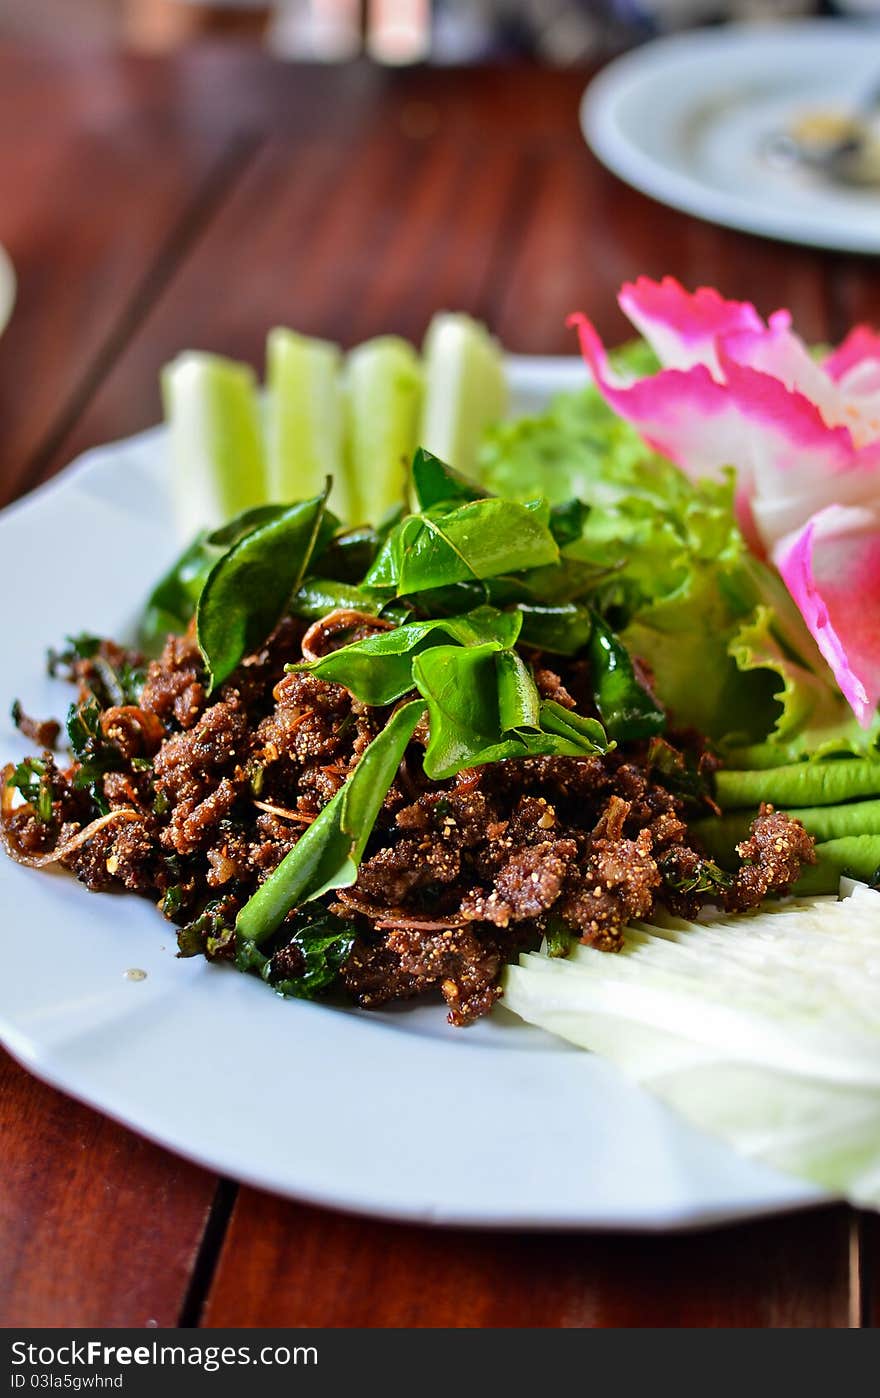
[
  {"x": 7, "y": 288},
  {"x": 684, "y": 118},
  {"x": 393, "y": 1114}
]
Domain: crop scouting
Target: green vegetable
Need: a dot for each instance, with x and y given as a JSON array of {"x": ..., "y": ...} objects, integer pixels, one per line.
[
  {"x": 823, "y": 822},
  {"x": 31, "y": 780},
  {"x": 434, "y": 483},
  {"x": 479, "y": 539},
  {"x": 110, "y": 684},
  {"x": 249, "y": 586},
  {"x": 682, "y": 773},
  {"x": 672, "y": 574},
  {"x": 563, "y": 629},
  {"x": 327, "y": 855},
  {"x": 207, "y": 934},
  {"x": 763, "y": 1030},
  {"x": 95, "y": 754},
  {"x": 318, "y": 596},
  {"x": 216, "y": 439},
  {"x": 465, "y": 387},
  {"x": 628, "y": 710},
  {"x": 323, "y": 942},
  {"x": 568, "y": 521},
  {"x": 826, "y": 783},
  {"x": 304, "y": 415},
  {"x": 378, "y": 670},
  {"x": 383, "y": 383},
  {"x": 483, "y": 707},
  {"x": 852, "y": 856},
  {"x": 350, "y": 553},
  {"x": 173, "y": 601}
]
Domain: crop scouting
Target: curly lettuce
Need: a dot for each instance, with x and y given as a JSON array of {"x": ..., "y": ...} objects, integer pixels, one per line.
[{"x": 727, "y": 648}]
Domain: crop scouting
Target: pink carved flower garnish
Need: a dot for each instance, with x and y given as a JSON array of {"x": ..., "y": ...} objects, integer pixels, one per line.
[{"x": 802, "y": 434}]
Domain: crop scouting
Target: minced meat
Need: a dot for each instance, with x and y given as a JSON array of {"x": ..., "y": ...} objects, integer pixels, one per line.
[{"x": 458, "y": 876}]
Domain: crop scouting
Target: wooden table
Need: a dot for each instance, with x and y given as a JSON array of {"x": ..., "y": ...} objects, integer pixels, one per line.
[{"x": 151, "y": 205}]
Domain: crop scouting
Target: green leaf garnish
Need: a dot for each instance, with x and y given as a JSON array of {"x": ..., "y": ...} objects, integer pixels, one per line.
[
  {"x": 31, "y": 780},
  {"x": 483, "y": 706},
  {"x": 94, "y": 753},
  {"x": 627, "y": 708},
  {"x": 378, "y": 670},
  {"x": 247, "y": 589},
  {"x": 310, "y": 962}
]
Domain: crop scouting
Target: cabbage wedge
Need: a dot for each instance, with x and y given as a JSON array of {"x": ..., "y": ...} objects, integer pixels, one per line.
[{"x": 764, "y": 1030}]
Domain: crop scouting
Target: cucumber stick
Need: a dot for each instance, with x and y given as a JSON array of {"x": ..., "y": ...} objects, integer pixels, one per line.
[
  {"x": 383, "y": 391},
  {"x": 213, "y": 415},
  {"x": 465, "y": 388},
  {"x": 304, "y": 421}
]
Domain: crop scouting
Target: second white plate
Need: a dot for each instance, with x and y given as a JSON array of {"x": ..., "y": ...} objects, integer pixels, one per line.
[{"x": 686, "y": 120}]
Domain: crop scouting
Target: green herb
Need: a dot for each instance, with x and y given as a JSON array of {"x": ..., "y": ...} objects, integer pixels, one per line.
[
  {"x": 706, "y": 878},
  {"x": 248, "y": 588},
  {"x": 327, "y": 855},
  {"x": 560, "y": 939},
  {"x": 318, "y": 596},
  {"x": 80, "y": 647},
  {"x": 567, "y": 521},
  {"x": 94, "y": 753},
  {"x": 435, "y": 483},
  {"x": 110, "y": 685},
  {"x": 378, "y": 669},
  {"x": 681, "y": 773},
  {"x": 627, "y": 708},
  {"x": 171, "y": 902},
  {"x": 563, "y": 629},
  {"x": 479, "y": 539},
  {"x": 350, "y": 553},
  {"x": 483, "y": 706},
  {"x": 208, "y": 934},
  {"x": 173, "y": 601},
  {"x": 317, "y": 951},
  {"x": 31, "y": 780}
]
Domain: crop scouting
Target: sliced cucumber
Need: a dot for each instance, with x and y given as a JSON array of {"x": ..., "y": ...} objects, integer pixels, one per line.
[
  {"x": 383, "y": 380},
  {"x": 465, "y": 388},
  {"x": 304, "y": 418},
  {"x": 213, "y": 415}
]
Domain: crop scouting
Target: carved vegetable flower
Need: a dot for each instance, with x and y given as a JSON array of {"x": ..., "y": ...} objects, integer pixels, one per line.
[{"x": 804, "y": 437}]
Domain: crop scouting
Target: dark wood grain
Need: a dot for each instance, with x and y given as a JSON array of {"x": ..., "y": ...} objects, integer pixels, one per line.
[
  {"x": 288, "y": 1265},
  {"x": 97, "y": 1227},
  {"x": 100, "y": 184},
  {"x": 198, "y": 201}
]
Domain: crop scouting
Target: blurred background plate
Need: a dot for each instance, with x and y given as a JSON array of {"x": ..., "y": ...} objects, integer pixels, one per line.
[
  {"x": 7, "y": 288},
  {"x": 689, "y": 120}
]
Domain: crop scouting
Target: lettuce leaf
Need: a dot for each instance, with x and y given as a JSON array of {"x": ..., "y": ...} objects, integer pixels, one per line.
[
  {"x": 814, "y": 718},
  {"x": 666, "y": 564}
]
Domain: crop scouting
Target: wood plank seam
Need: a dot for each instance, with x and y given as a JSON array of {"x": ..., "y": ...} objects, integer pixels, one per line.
[
  {"x": 208, "y": 1254},
  {"x": 229, "y": 167}
]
